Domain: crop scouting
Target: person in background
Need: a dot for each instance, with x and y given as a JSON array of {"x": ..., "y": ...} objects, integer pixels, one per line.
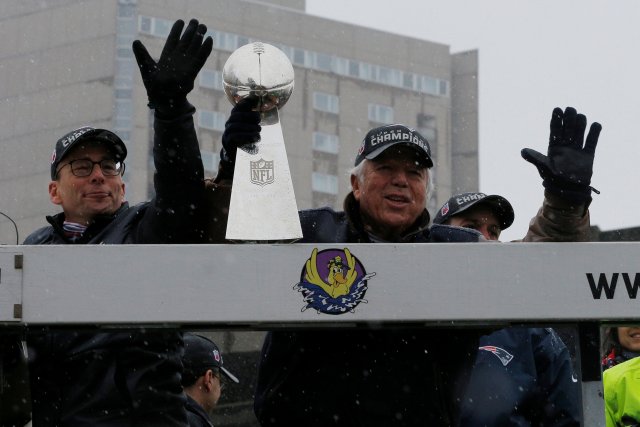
[
  {"x": 202, "y": 378},
  {"x": 620, "y": 344},
  {"x": 524, "y": 376},
  {"x": 621, "y": 376},
  {"x": 123, "y": 378},
  {"x": 521, "y": 376}
]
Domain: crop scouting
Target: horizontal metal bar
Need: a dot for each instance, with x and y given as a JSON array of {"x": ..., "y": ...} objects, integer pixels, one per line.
[{"x": 255, "y": 285}]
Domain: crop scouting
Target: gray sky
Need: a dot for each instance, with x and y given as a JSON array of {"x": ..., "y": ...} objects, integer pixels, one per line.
[{"x": 535, "y": 55}]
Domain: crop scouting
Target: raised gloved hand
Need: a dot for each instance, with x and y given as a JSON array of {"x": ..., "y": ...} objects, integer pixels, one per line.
[
  {"x": 169, "y": 80},
  {"x": 567, "y": 168},
  {"x": 242, "y": 130}
]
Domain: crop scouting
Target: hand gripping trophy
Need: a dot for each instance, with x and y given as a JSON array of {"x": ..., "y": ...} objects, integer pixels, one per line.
[{"x": 263, "y": 205}]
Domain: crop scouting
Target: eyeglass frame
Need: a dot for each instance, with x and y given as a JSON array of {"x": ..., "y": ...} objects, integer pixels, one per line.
[{"x": 119, "y": 171}]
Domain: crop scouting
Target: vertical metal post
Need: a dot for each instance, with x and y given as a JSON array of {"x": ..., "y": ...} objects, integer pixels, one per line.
[{"x": 591, "y": 374}]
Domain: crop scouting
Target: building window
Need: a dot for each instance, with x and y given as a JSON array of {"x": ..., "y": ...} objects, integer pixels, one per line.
[
  {"x": 429, "y": 85},
  {"x": 211, "y": 120},
  {"x": 323, "y": 62},
  {"x": 324, "y": 183},
  {"x": 354, "y": 68},
  {"x": 144, "y": 25},
  {"x": 407, "y": 80},
  {"x": 444, "y": 87},
  {"x": 210, "y": 160},
  {"x": 341, "y": 66},
  {"x": 326, "y": 143},
  {"x": 226, "y": 41},
  {"x": 326, "y": 102},
  {"x": 211, "y": 79},
  {"x": 427, "y": 127},
  {"x": 380, "y": 114}
]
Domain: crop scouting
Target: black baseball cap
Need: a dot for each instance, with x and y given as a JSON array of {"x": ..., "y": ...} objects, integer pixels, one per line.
[
  {"x": 379, "y": 139},
  {"x": 461, "y": 202},
  {"x": 201, "y": 353},
  {"x": 86, "y": 133}
]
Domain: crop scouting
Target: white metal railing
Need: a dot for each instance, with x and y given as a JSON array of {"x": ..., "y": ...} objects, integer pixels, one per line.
[{"x": 257, "y": 287}]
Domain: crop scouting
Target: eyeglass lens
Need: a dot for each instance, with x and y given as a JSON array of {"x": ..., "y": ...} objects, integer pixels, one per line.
[{"x": 84, "y": 167}]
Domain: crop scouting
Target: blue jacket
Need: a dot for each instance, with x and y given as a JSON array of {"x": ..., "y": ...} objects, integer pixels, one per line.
[
  {"x": 130, "y": 378},
  {"x": 522, "y": 377},
  {"x": 388, "y": 376}
]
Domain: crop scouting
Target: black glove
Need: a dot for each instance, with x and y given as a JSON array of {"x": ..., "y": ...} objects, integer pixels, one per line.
[
  {"x": 567, "y": 168},
  {"x": 242, "y": 130},
  {"x": 169, "y": 80}
]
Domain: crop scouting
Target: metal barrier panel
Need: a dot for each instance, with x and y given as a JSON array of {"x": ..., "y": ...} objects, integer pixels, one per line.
[
  {"x": 10, "y": 284},
  {"x": 260, "y": 285},
  {"x": 272, "y": 286}
]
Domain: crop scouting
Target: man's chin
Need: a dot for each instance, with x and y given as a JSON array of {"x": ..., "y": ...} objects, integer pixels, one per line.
[{"x": 102, "y": 209}]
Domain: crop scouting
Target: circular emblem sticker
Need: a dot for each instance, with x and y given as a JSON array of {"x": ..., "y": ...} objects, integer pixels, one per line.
[{"x": 333, "y": 281}]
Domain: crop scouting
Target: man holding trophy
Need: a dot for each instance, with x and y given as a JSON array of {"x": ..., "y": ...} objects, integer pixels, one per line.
[{"x": 348, "y": 377}]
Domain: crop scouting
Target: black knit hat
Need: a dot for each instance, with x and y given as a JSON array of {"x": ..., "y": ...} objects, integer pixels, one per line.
[
  {"x": 379, "y": 139},
  {"x": 86, "y": 133},
  {"x": 461, "y": 202}
]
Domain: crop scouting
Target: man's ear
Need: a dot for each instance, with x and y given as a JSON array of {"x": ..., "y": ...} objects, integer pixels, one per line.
[
  {"x": 207, "y": 380},
  {"x": 355, "y": 187},
  {"x": 54, "y": 193},
  {"x": 123, "y": 193}
]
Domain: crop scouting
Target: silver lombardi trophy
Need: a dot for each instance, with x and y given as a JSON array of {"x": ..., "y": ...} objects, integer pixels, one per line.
[{"x": 263, "y": 205}]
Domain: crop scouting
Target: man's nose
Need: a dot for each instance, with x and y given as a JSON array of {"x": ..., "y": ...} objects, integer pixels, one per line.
[
  {"x": 96, "y": 173},
  {"x": 399, "y": 178},
  {"x": 484, "y": 229}
]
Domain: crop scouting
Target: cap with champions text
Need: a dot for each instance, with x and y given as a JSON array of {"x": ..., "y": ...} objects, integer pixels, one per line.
[
  {"x": 462, "y": 202},
  {"x": 86, "y": 133},
  {"x": 201, "y": 353},
  {"x": 381, "y": 138}
]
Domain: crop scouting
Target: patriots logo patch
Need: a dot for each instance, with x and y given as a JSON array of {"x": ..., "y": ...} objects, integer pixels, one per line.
[
  {"x": 445, "y": 209},
  {"x": 502, "y": 354}
]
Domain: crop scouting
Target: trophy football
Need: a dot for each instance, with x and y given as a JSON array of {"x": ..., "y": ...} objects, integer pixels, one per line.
[{"x": 263, "y": 205}]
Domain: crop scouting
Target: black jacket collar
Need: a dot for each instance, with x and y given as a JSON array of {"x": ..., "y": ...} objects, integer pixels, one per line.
[{"x": 94, "y": 227}]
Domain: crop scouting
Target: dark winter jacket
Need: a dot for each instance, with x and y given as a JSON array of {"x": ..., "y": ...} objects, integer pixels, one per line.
[
  {"x": 522, "y": 377},
  {"x": 129, "y": 378},
  {"x": 196, "y": 415},
  {"x": 368, "y": 376}
]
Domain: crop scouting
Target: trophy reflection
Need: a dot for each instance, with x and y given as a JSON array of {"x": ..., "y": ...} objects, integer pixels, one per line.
[{"x": 263, "y": 204}]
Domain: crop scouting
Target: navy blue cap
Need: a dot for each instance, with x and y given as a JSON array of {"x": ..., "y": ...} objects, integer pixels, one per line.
[
  {"x": 500, "y": 206},
  {"x": 379, "y": 139},
  {"x": 201, "y": 353},
  {"x": 86, "y": 133}
]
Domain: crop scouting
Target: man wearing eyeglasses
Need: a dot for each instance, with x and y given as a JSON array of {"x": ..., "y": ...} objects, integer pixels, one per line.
[
  {"x": 128, "y": 378},
  {"x": 86, "y": 180},
  {"x": 203, "y": 378}
]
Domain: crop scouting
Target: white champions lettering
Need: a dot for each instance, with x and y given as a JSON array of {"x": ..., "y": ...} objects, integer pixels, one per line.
[
  {"x": 68, "y": 140},
  {"x": 470, "y": 198},
  {"x": 391, "y": 136}
]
